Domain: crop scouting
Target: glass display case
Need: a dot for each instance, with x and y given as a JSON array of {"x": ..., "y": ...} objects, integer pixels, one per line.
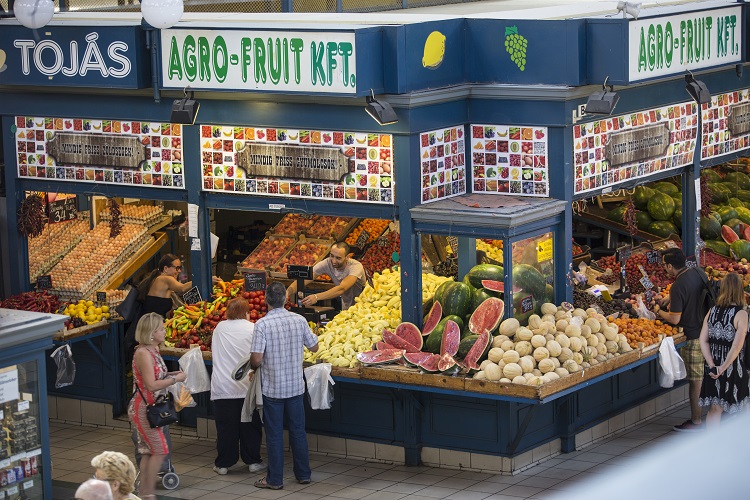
[{"x": 533, "y": 274}]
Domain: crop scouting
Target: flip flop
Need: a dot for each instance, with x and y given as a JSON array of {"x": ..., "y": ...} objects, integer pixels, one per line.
[{"x": 261, "y": 483}]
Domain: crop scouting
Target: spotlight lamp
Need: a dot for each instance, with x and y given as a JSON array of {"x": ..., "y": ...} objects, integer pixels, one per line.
[
  {"x": 185, "y": 110},
  {"x": 381, "y": 111},
  {"x": 697, "y": 89},
  {"x": 162, "y": 14},
  {"x": 34, "y": 14},
  {"x": 603, "y": 102}
]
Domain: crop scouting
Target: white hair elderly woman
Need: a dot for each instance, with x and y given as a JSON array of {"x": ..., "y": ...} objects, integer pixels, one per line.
[{"x": 116, "y": 469}]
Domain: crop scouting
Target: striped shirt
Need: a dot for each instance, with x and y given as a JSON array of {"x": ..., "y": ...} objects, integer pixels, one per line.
[{"x": 280, "y": 335}]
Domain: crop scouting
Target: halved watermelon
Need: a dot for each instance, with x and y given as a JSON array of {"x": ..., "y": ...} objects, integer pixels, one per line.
[
  {"x": 410, "y": 333},
  {"x": 492, "y": 285},
  {"x": 446, "y": 363},
  {"x": 414, "y": 358},
  {"x": 380, "y": 357},
  {"x": 477, "y": 350},
  {"x": 383, "y": 345},
  {"x": 487, "y": 316},
  {"x": 451, "y": 338},
  {"x": 728, "y": 234},
  {"x": 400, "y": 343},
  {"x": 432, "y": 319},
  {"x": 430, "y": 364}
]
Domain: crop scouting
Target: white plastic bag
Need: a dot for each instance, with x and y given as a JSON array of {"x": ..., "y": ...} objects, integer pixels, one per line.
[
  {"x": 319, "y": 386},
  {"x": 671, "y": 365},
  {"x": 195, "y": 368},
  {"x": 643, "y": 312},
  {"x": 66, "y": 368}
]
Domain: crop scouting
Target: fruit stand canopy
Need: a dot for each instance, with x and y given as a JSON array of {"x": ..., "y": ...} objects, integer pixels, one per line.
[{"x": 487, "y": 210}]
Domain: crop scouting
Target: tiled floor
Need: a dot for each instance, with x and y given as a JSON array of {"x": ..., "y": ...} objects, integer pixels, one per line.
[{"x": 74, "y": 446}]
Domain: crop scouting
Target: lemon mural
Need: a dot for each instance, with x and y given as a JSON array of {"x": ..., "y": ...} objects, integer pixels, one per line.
[
  {"x": 434, "y": 50},
  {"x": 515, "y": 45},
  {"x": 2, "y": 61}
]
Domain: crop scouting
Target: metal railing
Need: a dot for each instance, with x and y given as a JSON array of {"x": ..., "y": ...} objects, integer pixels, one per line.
[{"x": 249, "y": 6}]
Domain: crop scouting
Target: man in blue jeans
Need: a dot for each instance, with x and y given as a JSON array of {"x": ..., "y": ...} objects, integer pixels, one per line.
[{"x": 277, "y": 348}]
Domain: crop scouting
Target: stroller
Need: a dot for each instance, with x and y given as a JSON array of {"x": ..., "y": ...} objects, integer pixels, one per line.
[{"x": 169, "y": 478}]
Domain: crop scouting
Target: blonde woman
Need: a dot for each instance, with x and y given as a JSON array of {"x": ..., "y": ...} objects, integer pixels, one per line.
[
  {"x": 725, "y": 383},
  {"x": 118, "y": 471},
  {"x": 150, "y": 379}
]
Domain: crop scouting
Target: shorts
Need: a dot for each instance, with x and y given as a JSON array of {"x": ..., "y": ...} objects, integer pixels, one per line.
[{"x": 693, "y": 357}]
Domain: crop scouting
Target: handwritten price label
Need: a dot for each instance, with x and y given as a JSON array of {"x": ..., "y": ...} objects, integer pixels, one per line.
[{"x": 646, "y": 283}]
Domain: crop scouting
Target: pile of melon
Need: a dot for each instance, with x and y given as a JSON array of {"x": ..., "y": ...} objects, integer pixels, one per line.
[{"x": 559, "y": 343}]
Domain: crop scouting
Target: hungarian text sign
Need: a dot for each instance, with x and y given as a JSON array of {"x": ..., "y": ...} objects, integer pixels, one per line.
[
  {"x": 291, "y": 161},
  {"x": 637, "y": 144},
  {"x": 121, "y": 151}
]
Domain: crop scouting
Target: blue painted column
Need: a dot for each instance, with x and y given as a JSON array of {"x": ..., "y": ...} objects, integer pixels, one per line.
[
  {"x": 561, "y": 187},
  {"x": 411, "y": 246},
  {"x": 690, "y": 211},
  {"x": 200, "y": 261},
  {"x": 467, "y": 255}
]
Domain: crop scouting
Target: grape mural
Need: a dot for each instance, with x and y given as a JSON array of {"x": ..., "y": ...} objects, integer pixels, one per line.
[{"x": 515, "y": 45}]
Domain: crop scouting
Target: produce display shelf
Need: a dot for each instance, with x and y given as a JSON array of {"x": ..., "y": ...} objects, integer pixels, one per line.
[
  {"x": 65, "y": 335},
  {"x": 271, "y": 237},
  {"x": 341, "y": 234},
  {"x": 301, "y": 241},
  {"x": 177, "y": 352},
  {"x": 139, "y": 258},
  {"x": 598, "y": 217}
]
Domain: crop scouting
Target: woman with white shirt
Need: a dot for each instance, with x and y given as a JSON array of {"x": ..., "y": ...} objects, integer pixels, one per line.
[{"x": 232, "y": 339}]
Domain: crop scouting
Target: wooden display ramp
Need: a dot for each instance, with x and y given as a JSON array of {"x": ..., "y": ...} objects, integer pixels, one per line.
[{"x": 140, "y": 257}]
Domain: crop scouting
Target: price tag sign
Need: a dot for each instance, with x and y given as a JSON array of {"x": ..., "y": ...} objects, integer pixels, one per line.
[
  {"x": 44, "y": 282},
  {"x": 648, "y": 295},
  {"x": 670, "y": 244},
  {"x": 453, "y": 242},
  {"x": 544, "y": 250},
  {"x": 643, "y": 271},
  {"x": 362, "y": 239},
  {"x": 255, "y": 281},
  {"x": 192, "y": 296},
  {"x": 12, "y": 491},
  {"x": 550, "y": 279},
  {"x": 299, "y": 272},
  {"x": 382, "y": 241},
  {"x": 23, "y": 405},
  {"x": 28, "y": 485},
  {"x": 646, "y": 283},
  {"x": 63, "y": 210},
  {"x": 690, "y": 262},
  {"x": 527, "y": 304},
  {"x": 623, "y": 253},
  {"x": 652, "y": 257},
  {"x": 101, "y": 296}
]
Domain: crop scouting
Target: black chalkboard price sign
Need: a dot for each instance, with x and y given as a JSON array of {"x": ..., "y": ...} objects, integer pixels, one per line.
[
  {"x": 299, "y": 272},
  {"x": 101, "y": 296},
  {"x": 63, "y": 210},
  {"x": 44, "y": 282},
  {"x": 362, "y": 239},
  {"x": 255, "y": 281},
  {"x": 646, "y": 282},
  {"x": 690, "y": 261},
  {"x": 382, "y": 241},
  {"x": 527, "y": 304},
  {"x": 652, "y": 257},
  {"x": 623, "y": 253},
  {"x": 192, "y": 296}
]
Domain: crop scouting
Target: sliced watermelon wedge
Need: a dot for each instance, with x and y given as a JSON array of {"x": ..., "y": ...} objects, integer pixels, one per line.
[
  {"x": 430, "y": 364},
  {"x": 380, "y": 357},
  {"x": 432, "y": 319},
  {"x": 399, "y": 343},
  {"x": 414, "y": 358},
  {"x": 495, "y": 286},
  {"x": 410, "y": 333},
  {"x": 487, "y": 316}
]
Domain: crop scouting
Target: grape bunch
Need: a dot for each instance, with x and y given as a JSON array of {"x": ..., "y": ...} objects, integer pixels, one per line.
[{"x": 515, "y": 45}]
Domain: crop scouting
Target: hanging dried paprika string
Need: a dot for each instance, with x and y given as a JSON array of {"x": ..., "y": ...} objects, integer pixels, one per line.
[
  {"x": 629, "y": 217},
  {"x": 706, "y": 196},
  {"x": 115, "y": 224},
  {"x": 31, "y": 215}
]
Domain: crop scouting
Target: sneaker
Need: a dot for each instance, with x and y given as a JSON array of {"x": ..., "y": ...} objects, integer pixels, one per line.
[
  {"x": 256, "y": 467},
  {"x": 688, "y": 426},
  {"x": 221, "y": 470}
]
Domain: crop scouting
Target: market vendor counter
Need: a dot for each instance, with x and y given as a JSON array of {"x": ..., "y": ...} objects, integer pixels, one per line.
[
  {"x": 398, "y": 414},
  {"x": 100, "y": 374}
]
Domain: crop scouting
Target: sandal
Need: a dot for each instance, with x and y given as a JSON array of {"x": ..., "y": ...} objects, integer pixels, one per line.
[{"x": 262, "y": 483}]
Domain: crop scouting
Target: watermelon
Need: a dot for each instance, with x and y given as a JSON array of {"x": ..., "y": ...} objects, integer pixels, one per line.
[
  {"x": 440, "y": 290},
  {"x": 484, "y": 272},
  {"x": 728, "y": 235},
  {"x": 731, "y": 187},
  {"x": 736, "y": 202},
  {"x": 456, "y": 299},
  {"x": 466, "y": 344},
  {"x": 380, "y": 346},
  {"x": 711, "y": 176},
  {"x": 727, "y": 213},
  {"x": 743, "y": 214},
  {"x": 617, "y": 215},
  {"x": 721, "y": 194},
  {"x": 528, "y": 278},
  {"x": 662, "y": 228},
  {"x": 642, "y": 219},
  {"x": 741, "y": 249},
  {"x": 414, "y": 358},
  {"x": 641, "y": 197},
  {"x": 487, "y": 316},
  {"x": 677, "y": 217},
  {"x": 451, "y": 338},
  {"x": 738, "y": 178},
  {"x": 447, "y": 364},
  {"x": 735, "y": 225},
  {"x": 495, "y": 286},
  {"x": 480, "y": 295},
  {"x": 461, "y": 325},
  {"x": 478, "y": 351},
  {"x": 430, "y": 364},
  {"x": 380, "y": 357},
  {"x": 432, "y": 319},
  {"x": 717, "y": 246},
  {"x": 661, "y": 206},
  {"x": 665, "y": 187},
  {"x": 410, "y": 333},
  {"x": 710, "y": 228},
  {"x": 400, "y": 343},
  {"x": 677, "y": 199},
  {"x": 435, "y": 339},
  {"x": 746, "y": 233}
]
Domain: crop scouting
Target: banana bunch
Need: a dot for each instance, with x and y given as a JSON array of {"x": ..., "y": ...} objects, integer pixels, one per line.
[{"x": 359, "y": 327}]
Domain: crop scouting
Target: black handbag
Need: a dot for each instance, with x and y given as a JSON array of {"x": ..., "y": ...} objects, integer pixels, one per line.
[{"x": 160, "y": 413}]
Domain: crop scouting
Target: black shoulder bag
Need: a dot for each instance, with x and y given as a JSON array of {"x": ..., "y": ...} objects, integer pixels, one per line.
[{"x": 160, "y": 413}]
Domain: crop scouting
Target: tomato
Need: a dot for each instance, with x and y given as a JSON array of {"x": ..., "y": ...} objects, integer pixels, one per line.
[
  {"x": 246, "y": 295},
  {"x": 254, "y": 314},
  {"x": 263, "y": 308},
  {"x": 253, "y": 295}
]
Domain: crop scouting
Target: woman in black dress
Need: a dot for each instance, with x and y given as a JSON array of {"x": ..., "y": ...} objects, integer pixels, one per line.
[{"x": 725, "y": 385}]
